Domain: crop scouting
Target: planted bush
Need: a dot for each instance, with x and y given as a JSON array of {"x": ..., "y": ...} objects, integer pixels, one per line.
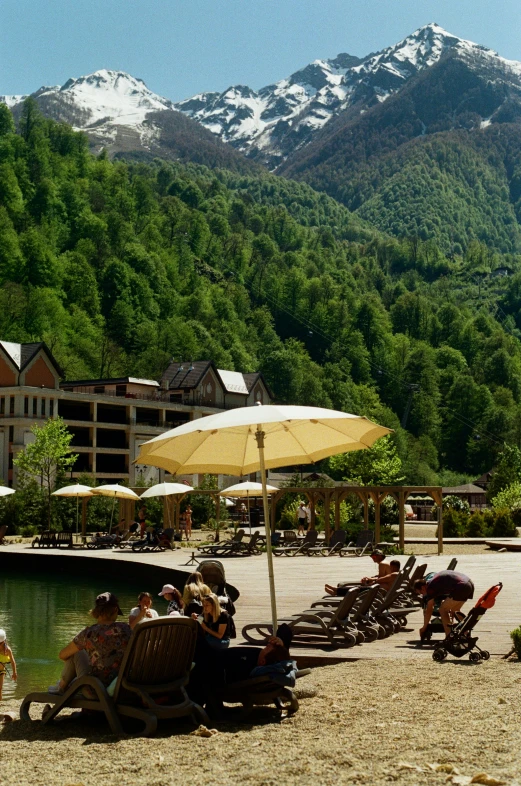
[{"x": 515, "y": 635}]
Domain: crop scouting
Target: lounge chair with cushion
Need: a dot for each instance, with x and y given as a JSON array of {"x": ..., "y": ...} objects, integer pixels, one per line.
[
  {"x": 241, "y": 549},
  {"x": 331, "y": 626},
  {"x": 156, "y": 665},
  {"x": 3, "y": 530},
  {"x": 364, "y": 542}
]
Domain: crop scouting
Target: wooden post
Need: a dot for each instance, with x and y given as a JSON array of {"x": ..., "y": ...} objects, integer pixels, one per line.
[
  {"x": 84, "y": 515},
  {"x": 440, "y": 528},
  {"x": 337, "y": 509},
  {"x": 327, "y": 524},
  {"x": 401, "y": 525},
  {"x": 313, "y": 521},
  {"x": 377, "y": 520},
  {"x": 366, "y": 511}
]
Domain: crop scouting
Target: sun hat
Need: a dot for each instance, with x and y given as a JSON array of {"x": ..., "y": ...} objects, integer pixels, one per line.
[
  {"x": 168, "y": 589},
  {"x": 2, "y": 635},
  {"x": 108, "y": 598}
]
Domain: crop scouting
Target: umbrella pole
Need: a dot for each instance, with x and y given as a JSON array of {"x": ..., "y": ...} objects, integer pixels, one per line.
[
  {"x": 112, "y": 514},
  {"x": 259, "y": 436},
  {"x": 77, "y": 513},
  {"x": 248, "y": 510}
]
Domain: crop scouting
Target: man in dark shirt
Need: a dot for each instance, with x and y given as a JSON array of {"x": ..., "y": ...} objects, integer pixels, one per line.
[{"x": 450, "y": 589}]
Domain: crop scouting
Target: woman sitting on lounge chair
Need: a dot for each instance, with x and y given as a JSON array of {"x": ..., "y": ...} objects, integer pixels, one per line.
[
  {"x": 215, "y": 623},
  {"x": 143, "y": 610},
  {"x": 176, "y": 606},
  {"x": 194, "y": 592},
  {"x": 97, "y": 650}
]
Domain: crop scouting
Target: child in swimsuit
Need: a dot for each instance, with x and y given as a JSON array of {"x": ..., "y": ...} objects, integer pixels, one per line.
[{"x": 6, "y": 656}]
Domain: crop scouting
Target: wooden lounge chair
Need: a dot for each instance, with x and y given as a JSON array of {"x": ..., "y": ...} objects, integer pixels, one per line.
[
  {"x": 64, "y": 539},
  {"x": 212, "y": 547},
  {"x": 47, "y": 539},
  {"x": 157, "y": 663},
  {"x": 364, "y": 542},
  {"x": 336, "y": 542},
  {"x": 332, "y": 625},
  {"x": 3, "y": 530},
  {"x": 299, "y": 547}
]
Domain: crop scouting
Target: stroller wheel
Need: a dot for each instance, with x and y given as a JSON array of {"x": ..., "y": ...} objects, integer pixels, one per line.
[
  {"x": 439, "y": 655},
  {"x": 485, "y": 654},
  {"x": 474, "y": 657}
]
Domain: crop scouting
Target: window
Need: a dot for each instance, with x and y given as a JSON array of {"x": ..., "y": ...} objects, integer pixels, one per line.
[
  {"x": 176, "y": 397},
  {"x": 43, "y": 407},
  {"x": 10, "y": 464},
  {"x": 51, "y": 408},
  {"x": 35, "y": 407},
  {"x": 11, "y": 405},
  {"x": 99, "y": 388},
  {"x": 2, "y": 405},
  {"x": 26, "y": 406},
  {"x": 121, "y": 390},
  {"x": 11, "y": 433}
]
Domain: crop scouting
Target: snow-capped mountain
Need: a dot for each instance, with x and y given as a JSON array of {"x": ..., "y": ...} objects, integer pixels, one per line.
[
  {"x": 273, "y": 122},
  {"x": 120, "y": 114},
  {"x": 100, "y": 102}
]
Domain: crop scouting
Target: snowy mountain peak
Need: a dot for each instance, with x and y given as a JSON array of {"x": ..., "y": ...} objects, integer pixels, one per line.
[
  {"x": 110, "y": 96},
  {"x": 277, "y": 119}
]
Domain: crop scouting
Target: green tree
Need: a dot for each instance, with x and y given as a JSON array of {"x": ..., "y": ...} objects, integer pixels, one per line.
[
  {"x": 380, "y": 465},
  {"x": 48, "y": 457},
  {"x": 507, "y": 471}
]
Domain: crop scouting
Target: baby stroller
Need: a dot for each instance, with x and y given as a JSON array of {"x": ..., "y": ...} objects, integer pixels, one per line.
[
  {"x": 460, "y": 641},
  {"x": 214, "y": 576}
]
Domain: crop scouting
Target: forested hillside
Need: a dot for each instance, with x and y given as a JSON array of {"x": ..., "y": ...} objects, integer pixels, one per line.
[
  {"x": 440, "y": 160},
  {"x": 121, "y": 266}
]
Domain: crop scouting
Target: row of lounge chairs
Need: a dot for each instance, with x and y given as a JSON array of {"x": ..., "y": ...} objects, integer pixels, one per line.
[
  {"x": 363, "y": 614},
  {"x": 289, "y": 545}
]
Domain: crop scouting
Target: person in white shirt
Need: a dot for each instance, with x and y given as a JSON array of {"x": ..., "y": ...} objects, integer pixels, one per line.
[{"x": 143, "y": 611}]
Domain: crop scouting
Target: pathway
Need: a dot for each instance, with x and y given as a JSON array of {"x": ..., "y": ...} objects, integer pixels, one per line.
[{"x": 300, "y": 581}]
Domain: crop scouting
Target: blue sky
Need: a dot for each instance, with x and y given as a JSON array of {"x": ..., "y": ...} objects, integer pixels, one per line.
[{"x": 181, "y": 47}]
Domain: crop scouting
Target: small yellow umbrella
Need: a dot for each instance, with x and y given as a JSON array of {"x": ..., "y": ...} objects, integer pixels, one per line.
[
  {"x": 248, "y": 439},
  {"x": 116, "y": 492},
  {"x": 241, "y": 490},
  {"x": 76, "y": 490}
]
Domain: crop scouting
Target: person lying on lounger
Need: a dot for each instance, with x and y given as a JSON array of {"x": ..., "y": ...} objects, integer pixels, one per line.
[{"x": 384, "y": 569}]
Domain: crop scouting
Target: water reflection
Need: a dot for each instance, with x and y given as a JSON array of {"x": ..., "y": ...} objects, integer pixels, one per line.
[{"x": 42, "y": 612}]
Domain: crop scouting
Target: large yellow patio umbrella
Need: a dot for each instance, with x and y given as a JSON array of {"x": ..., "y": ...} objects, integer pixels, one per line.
[
  {"x": 242, "y": 490},
  {"x": 248, "y": 439},
  {"x": 166, "y": 490}
]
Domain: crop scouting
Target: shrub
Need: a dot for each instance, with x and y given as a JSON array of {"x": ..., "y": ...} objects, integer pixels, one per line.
[
  {"x": 453, "y": 502},
  {"x": 476, "y": 527},
  {"x": 515, "y": 635},
  {"x": 29, "y": 531},
  {"x": 288, "y": 517},
  {"x": 503, "y": 526},
  {"x": 454, "y": 523},
  {"x": 509, "y": 497}
]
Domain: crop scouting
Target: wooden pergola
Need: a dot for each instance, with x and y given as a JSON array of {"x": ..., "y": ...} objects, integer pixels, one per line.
[{"x": 331, "y": 497}]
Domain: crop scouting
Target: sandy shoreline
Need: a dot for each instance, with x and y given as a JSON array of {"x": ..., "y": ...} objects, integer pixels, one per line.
[{"x": 370, "y": 722}]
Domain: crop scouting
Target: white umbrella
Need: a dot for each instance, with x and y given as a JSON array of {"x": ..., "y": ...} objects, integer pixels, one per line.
[
  {"x": 166, "y": 490},
  {"x": 116, "y": 492},
  {"x": 76, "y": 490},
  {"x": 240, "y": 490},
  {"x": 247, "y": 439},
  {"x": 5, "y": 491}
]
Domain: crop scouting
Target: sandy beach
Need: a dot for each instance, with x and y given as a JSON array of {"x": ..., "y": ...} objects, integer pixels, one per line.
[{"x": 371, "y": 722}]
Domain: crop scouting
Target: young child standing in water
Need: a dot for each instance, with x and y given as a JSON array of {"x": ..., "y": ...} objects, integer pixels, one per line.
[{"x": 6, "y": 656}]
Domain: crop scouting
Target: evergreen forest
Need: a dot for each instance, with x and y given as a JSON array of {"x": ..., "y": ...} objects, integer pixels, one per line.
[{"x": 120, "y": 266}]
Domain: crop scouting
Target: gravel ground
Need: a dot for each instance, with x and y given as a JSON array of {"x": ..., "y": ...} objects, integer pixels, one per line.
[
  {"x": 371, "y": 722},
  {"x": 449, "y": 549}
]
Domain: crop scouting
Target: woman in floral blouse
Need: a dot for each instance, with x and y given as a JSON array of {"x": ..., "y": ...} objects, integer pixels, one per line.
[{"x": 97, "y": 650}]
